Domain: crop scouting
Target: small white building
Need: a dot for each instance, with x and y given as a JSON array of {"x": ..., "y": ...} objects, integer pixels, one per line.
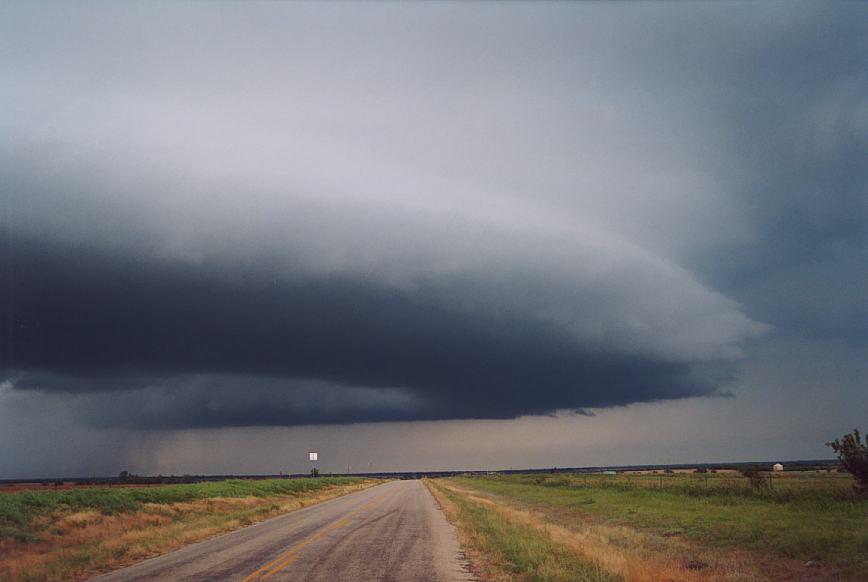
[{"x": 777, "y": 467}]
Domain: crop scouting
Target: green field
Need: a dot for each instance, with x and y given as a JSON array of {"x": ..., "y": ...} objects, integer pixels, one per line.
[
  {"x": 19, "y": 510},
  {"x": 811, "y": 516}
]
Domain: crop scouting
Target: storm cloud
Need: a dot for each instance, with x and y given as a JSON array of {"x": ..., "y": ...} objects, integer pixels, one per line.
[
  {"x": 305, "y": 214},
  {"x": 503, "y": 336}
]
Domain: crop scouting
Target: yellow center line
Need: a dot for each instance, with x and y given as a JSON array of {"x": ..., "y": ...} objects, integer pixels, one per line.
[{"x": 289, "y": 555}]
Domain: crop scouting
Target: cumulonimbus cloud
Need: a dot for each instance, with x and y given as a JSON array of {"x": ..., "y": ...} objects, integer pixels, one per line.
[
  {"x": 173, "y": 243},
  {"x": 460, "y": 302}
]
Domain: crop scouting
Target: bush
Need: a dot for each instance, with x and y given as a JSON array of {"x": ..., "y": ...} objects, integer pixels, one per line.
[
  {"x": 853, "y": 454},
  {"x": 754, "y": 474}
]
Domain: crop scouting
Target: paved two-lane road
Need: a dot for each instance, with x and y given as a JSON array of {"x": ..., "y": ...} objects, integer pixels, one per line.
[{"x": 391, "y": 532}]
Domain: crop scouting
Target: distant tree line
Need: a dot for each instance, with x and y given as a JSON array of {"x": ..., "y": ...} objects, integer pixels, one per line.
[{"x": 131, "y": 478}]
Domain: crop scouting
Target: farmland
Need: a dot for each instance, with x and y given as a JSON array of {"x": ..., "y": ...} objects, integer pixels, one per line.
[
  {"x": 682, "y": 526},
  {"x": 72, "y": 533}
]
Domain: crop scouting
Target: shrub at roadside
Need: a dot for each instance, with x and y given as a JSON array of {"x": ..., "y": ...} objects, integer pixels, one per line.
[{"x": 853, "y": 454}]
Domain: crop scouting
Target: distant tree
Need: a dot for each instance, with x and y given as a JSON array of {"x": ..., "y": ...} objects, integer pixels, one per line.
[
  {"x": 314, "y": 472},
  {"x": 123, "y": 476},
  {"x": 754, "y": 474},
  {"x": 853, "y": 454},
  {"x": 701, "y": 470}
]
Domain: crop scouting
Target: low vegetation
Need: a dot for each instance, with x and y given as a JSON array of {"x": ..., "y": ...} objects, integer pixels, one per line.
[
  {"x": 505, "y": 549},
  {"x": 755, "y": 476},
  {"x": 71, "y": 534},
  {"x": 694, "y": 526},
  {"x": 853, "y": 454}
]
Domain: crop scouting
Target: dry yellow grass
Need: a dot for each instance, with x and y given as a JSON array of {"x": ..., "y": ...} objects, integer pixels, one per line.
[
  {"x": 630, "y": 554},
  {"x": 504, "y": 550},
  {"x": 78, "y": 545},
  {"x": 480, "y": 563},
  {"x": 714, "y": 536}
]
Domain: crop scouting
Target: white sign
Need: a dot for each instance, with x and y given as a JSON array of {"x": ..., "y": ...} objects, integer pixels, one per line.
[{"x": 314, "y": 456}]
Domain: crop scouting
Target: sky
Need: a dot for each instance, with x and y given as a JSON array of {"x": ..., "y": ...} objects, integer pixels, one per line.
[{"x": 422, "y": 236}]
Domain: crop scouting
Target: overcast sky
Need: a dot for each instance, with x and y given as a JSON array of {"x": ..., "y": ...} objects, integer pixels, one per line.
[{"x": 430, "y": 236}]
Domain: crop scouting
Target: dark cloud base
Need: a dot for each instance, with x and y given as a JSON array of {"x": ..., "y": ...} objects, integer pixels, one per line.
[{"x": 80, "y": 320}]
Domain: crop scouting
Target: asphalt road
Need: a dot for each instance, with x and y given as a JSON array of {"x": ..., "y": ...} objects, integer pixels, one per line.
[{"x": 391, "y": 532}]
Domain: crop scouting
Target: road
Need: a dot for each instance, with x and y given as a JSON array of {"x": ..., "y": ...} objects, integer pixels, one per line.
[{"x": 391, "y": 532}]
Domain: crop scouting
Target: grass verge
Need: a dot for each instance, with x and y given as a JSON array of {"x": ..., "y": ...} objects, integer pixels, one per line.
[
  {"x": 503, "y": 549},
  {"x": 747, "y": 535},
  {"x": 74, "y": 534}
]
